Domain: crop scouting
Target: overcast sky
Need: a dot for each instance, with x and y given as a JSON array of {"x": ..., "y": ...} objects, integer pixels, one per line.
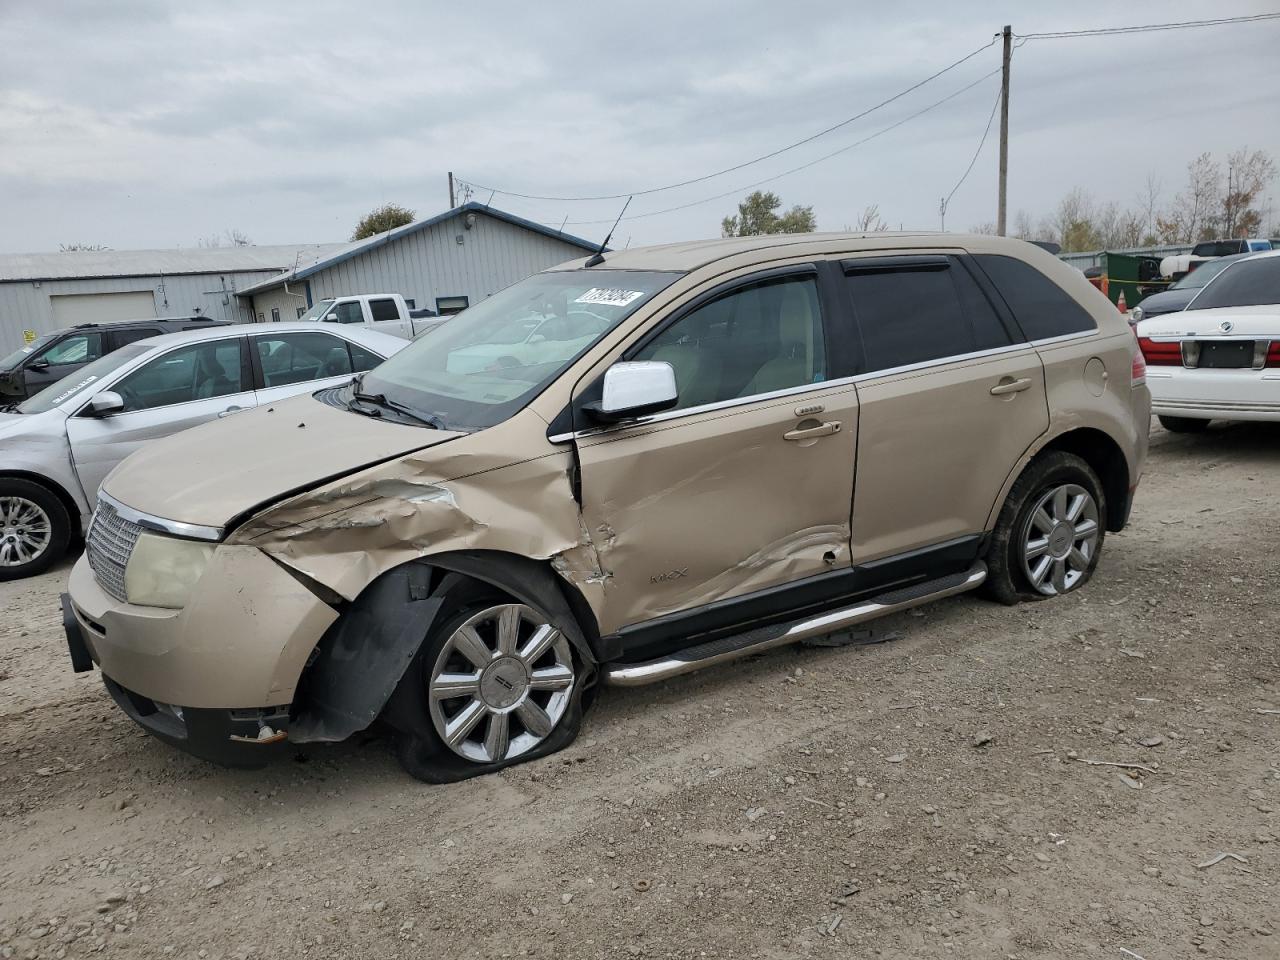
[{"x": 148, "y": 124}]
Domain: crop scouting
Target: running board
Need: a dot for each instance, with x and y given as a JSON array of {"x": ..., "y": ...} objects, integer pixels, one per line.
[{"x": 761, "y": 639}]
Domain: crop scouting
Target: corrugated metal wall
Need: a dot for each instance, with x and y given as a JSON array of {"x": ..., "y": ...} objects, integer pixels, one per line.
[
  {"x": 24, "y": 305},
  {"x": 431, "y": 263}
]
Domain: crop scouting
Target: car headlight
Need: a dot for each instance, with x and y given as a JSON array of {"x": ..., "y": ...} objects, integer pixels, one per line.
[
  {"x": 162, "y": 570},
  {"x": 1135, "y": 315}
]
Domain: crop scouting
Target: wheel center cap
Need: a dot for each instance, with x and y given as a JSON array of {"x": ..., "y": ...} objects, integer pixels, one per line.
[
  {"x": 503, "y": 683},
  {"x": 1061, "y": 540}
]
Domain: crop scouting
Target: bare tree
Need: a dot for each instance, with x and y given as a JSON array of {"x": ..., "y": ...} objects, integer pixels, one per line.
[
  {"x": 1248, "y": 175},
  {"x": 987, "y": 229},
  {"x": 1196, "y": 211},
  {"x": 870, "y": 221},
  {"x": 230, "y": 237},
  {"x": 1148, "y": 202}
]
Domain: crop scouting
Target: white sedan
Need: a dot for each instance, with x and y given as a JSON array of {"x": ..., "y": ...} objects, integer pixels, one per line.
[
  {"x": 57, "y": 447},
  {"x": 1220, "y": 358}
]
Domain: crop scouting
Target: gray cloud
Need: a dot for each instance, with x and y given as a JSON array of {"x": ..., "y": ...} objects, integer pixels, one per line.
[{"x": 147, "y": 124}]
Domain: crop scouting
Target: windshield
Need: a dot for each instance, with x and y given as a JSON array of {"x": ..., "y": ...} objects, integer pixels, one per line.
[
  {"x": 15, "y": 358},
  {"x": 66, "y": 388},
  {"x": 318, "y": 311},
  {"x": 489, "y": 362},
  {"x": 1248, "y": 283},
  {"x": 1202, "y": 274}
]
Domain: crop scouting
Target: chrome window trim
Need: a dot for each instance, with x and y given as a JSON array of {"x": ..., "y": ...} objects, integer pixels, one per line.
[
  {"x": 1063, "y": 338},
  {"x": 787, "y": 392},
  {"x": 188, "y": 531}
]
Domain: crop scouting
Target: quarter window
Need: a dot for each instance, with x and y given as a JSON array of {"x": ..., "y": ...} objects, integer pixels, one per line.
[
  {"x": 362, "y": 359},
  {"x": 384, "y": 309},
  {"x": 299, "y": 357},
  {"x": 915, "y": 315},
  {"x": 1041, "y": 307},
  {"x": 757, "y": 339},
  {"x": 197, "y": 372}
]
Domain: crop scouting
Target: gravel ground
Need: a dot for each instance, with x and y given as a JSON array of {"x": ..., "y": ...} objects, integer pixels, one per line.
[{"x": 929, "y": 796}]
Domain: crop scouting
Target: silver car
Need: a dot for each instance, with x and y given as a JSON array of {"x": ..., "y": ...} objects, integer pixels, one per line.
[{"x": 57, "y": 447}]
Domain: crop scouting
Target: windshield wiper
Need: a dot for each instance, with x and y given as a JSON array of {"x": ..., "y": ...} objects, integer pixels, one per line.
[{"x": 380, "y": 402}]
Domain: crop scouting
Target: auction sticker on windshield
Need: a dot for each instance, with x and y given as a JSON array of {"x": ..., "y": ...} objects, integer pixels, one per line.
[
  {"x": 72, "y": 391},
  {"x": 609, "y": 297}
]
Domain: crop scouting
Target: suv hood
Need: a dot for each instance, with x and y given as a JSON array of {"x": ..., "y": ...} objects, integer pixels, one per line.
[
  {"x": 1263, "y": 321},
  {"x": 214, "y": 473}
]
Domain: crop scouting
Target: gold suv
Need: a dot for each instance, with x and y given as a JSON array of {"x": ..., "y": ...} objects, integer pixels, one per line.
[{"x": 616, "y": 471}]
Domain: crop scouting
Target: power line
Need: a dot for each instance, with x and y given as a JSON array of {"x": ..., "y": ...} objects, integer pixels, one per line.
[
  {"x": 990, "y": 119},
  {"x": 1148, "y": 27},
  {"x": 746, "y": 163},
  {"x": 803, "y": 166}
]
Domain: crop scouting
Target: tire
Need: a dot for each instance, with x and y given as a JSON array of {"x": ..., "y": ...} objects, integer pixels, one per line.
[
  {"x": 526, "y": 702},
  {"x": 1037, "y": 549},
  {"x": 1183, "y": 424},
  {"x": 35, "y": 528}
]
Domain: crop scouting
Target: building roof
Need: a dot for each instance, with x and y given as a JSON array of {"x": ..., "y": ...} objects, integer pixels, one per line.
[
  {"x": 87, "y": 264},
  {"x": 356, "y": 248}
]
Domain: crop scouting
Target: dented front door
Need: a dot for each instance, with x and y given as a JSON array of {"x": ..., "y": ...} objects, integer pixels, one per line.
[{"x": 747, "y": 484}]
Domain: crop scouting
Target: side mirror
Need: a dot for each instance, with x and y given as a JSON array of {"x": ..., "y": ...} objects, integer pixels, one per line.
[
  {"x": 38, "y": 365},
  {"x": 330, "y": 318},
  {"x": 106, "y": 403},
  {"x": 634, "y": 390}
]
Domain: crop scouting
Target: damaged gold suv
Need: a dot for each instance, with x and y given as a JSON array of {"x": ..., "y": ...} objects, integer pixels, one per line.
[{"x": 616, "y": 471}]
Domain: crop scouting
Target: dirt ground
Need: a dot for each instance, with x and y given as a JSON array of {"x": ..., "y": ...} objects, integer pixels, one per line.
[{"x": 925, "y": 797}]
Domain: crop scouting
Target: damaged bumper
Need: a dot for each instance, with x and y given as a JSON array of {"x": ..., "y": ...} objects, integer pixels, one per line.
[{"x": 241, "y": 642}]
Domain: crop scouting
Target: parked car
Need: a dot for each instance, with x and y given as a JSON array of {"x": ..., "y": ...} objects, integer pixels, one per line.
[
  {"x": 56, "y": 447},
  {"x": 1220, "y": 358},
  {"x": 56, "y": 355},
  {"x": 472, "y": 548},
  {"x": 383, "y": 312},
  {"x": 1178, "y": 266},
  {"x": 1183, "y": 291}
]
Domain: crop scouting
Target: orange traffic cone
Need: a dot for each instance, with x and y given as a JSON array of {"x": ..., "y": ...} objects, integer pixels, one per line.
[{"x": 1120, "y": 304}]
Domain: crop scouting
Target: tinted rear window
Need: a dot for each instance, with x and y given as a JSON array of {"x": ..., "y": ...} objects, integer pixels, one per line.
[
  {"x": 916, "y": 315},
  {"x": 1041, "y": 307},
  {"x": 1247, "y": 283}
]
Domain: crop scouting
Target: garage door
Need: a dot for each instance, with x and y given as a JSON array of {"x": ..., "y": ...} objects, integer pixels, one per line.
[{"x": 72, "y": 308}]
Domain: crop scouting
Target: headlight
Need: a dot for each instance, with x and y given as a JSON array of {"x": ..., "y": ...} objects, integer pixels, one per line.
[
  {"x": 1135, "y": 315},
  {"x": 162, "y": 570}
]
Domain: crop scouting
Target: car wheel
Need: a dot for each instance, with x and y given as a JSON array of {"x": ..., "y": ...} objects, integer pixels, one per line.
[
  {"x": 34, "y": 529},
  {"x": 502, "y": 686},
  {"x": 1183, "y": 424},
  {"x": 1049, "y": 534}
]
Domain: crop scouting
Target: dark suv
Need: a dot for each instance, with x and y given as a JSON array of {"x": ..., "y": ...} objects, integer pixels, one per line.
[{"x": 29, "y": 370}]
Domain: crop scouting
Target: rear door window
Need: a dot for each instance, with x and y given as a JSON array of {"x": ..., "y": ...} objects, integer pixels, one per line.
[
  {"x": 1041, "y": 307},
  {"x": 298, "y": 357},
  {"x": 120, "y": 338},
  {"x": 920, "y": 311},
  {"x": 384, "y": 309}
]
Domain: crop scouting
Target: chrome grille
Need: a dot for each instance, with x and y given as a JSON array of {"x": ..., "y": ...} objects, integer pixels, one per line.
[{"x": 109, "y": 543}]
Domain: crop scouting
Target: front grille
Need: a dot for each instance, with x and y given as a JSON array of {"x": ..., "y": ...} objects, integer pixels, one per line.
[{"x": 109, "y": 543}]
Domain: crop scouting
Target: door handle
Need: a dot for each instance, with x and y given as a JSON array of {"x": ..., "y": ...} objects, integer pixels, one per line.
[
  {"x": 229, "y": 411},
  {"x": 1005, "y": 387},
  {"x": 812, "y": 433}
]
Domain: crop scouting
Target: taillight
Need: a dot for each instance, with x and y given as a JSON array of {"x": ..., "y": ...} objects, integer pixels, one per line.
[
  {"x": 1159, "y": 353},
  {"x": 1138, "y": 374},
  {"x": 1273, "y": 354}
]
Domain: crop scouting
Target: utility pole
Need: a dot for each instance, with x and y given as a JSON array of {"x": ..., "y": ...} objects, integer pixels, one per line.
[
  {"x": 452, "y": 201},
  {"x": 1004, "y": 132}
]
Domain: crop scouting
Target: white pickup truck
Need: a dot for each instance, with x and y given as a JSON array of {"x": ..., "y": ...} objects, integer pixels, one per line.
[{"x": 384, "y": 312}]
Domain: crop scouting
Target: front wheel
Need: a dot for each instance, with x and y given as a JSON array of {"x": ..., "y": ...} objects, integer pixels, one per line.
[
  {"x": 501, "y": 686},
  {"x": 34, "y": 529},
  {"x": 1049, "y": 534},
  {"x": 1183, "y": 424}
]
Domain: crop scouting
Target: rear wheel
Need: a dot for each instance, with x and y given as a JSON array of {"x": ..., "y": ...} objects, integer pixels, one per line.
[
  {"x": 1183, "y": 424},
  {"x": 34, "y": 529},
  {"x": 1049, "y": 534},
  {"x": 501, "y": 686}
]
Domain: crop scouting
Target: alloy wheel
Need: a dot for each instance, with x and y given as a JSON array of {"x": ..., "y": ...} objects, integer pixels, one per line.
[
  {"x": 25, "y": 531},
  {"x": 501, "y": 684},
  {"x": 1060, "y": 538}
]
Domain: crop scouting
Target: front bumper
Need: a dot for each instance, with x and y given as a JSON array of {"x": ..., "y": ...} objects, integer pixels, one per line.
[
  {"x": 1215, "y": 394},
  {"x": 240, "y": 643}
]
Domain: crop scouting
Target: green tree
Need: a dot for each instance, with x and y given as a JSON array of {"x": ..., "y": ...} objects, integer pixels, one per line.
[
  {"x": 384, "y": 218},
  {"x": 758, "y": 214}
]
